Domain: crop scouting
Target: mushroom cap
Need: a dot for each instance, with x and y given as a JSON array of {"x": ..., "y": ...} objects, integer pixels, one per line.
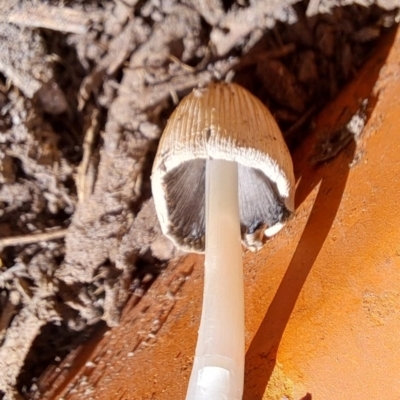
[{"x": 222, "y": 121}]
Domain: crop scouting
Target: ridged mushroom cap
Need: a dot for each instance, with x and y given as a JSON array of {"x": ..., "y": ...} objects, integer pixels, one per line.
[{"x": 221, "y": 121}]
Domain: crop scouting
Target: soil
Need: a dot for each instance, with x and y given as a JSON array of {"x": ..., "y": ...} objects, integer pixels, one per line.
[{"x": 86, "y": 88}]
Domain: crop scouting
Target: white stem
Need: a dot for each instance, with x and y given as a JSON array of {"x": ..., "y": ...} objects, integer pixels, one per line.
[{"x": 218, "y": 369}]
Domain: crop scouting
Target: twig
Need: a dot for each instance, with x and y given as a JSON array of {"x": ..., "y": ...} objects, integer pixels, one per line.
[
  {"x": 60, "y": 19},
  {"x": 83, "y": 188},
  {"x": 32, "y": 238},
  {"x": 236, "y": 26},
  {"x": 174, "y": 97},
  {"x": 185, "y": 66}
]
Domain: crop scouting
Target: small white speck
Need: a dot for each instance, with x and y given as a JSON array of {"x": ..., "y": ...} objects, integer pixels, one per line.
[{"x": 90, "y": 364}]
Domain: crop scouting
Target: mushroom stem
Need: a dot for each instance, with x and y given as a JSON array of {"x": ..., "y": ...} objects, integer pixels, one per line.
[{"x": 218, "y": 369}]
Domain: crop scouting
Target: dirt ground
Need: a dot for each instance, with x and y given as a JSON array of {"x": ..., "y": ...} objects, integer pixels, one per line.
[{"x": 86, "y": 88}]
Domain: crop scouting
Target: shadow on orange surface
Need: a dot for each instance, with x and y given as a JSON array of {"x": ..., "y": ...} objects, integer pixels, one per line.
[{"x": 331, "y": 178}]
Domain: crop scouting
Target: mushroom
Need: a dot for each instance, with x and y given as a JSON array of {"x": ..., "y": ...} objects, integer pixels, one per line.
[{"x": 222, "y": 173}]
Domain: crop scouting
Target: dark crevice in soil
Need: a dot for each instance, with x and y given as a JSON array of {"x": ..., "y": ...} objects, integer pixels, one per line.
[{"x": 58, "y": 340}]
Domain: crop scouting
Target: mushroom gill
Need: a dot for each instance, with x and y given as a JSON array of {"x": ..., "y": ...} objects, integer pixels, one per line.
[{"x": 260, "y": 204}]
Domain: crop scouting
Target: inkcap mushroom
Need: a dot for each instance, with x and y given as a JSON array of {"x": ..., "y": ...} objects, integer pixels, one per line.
[{"x": 222, "y": 174}]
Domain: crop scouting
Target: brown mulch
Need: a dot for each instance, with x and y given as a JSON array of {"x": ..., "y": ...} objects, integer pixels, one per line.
[{"x": 86, "y": 88}]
